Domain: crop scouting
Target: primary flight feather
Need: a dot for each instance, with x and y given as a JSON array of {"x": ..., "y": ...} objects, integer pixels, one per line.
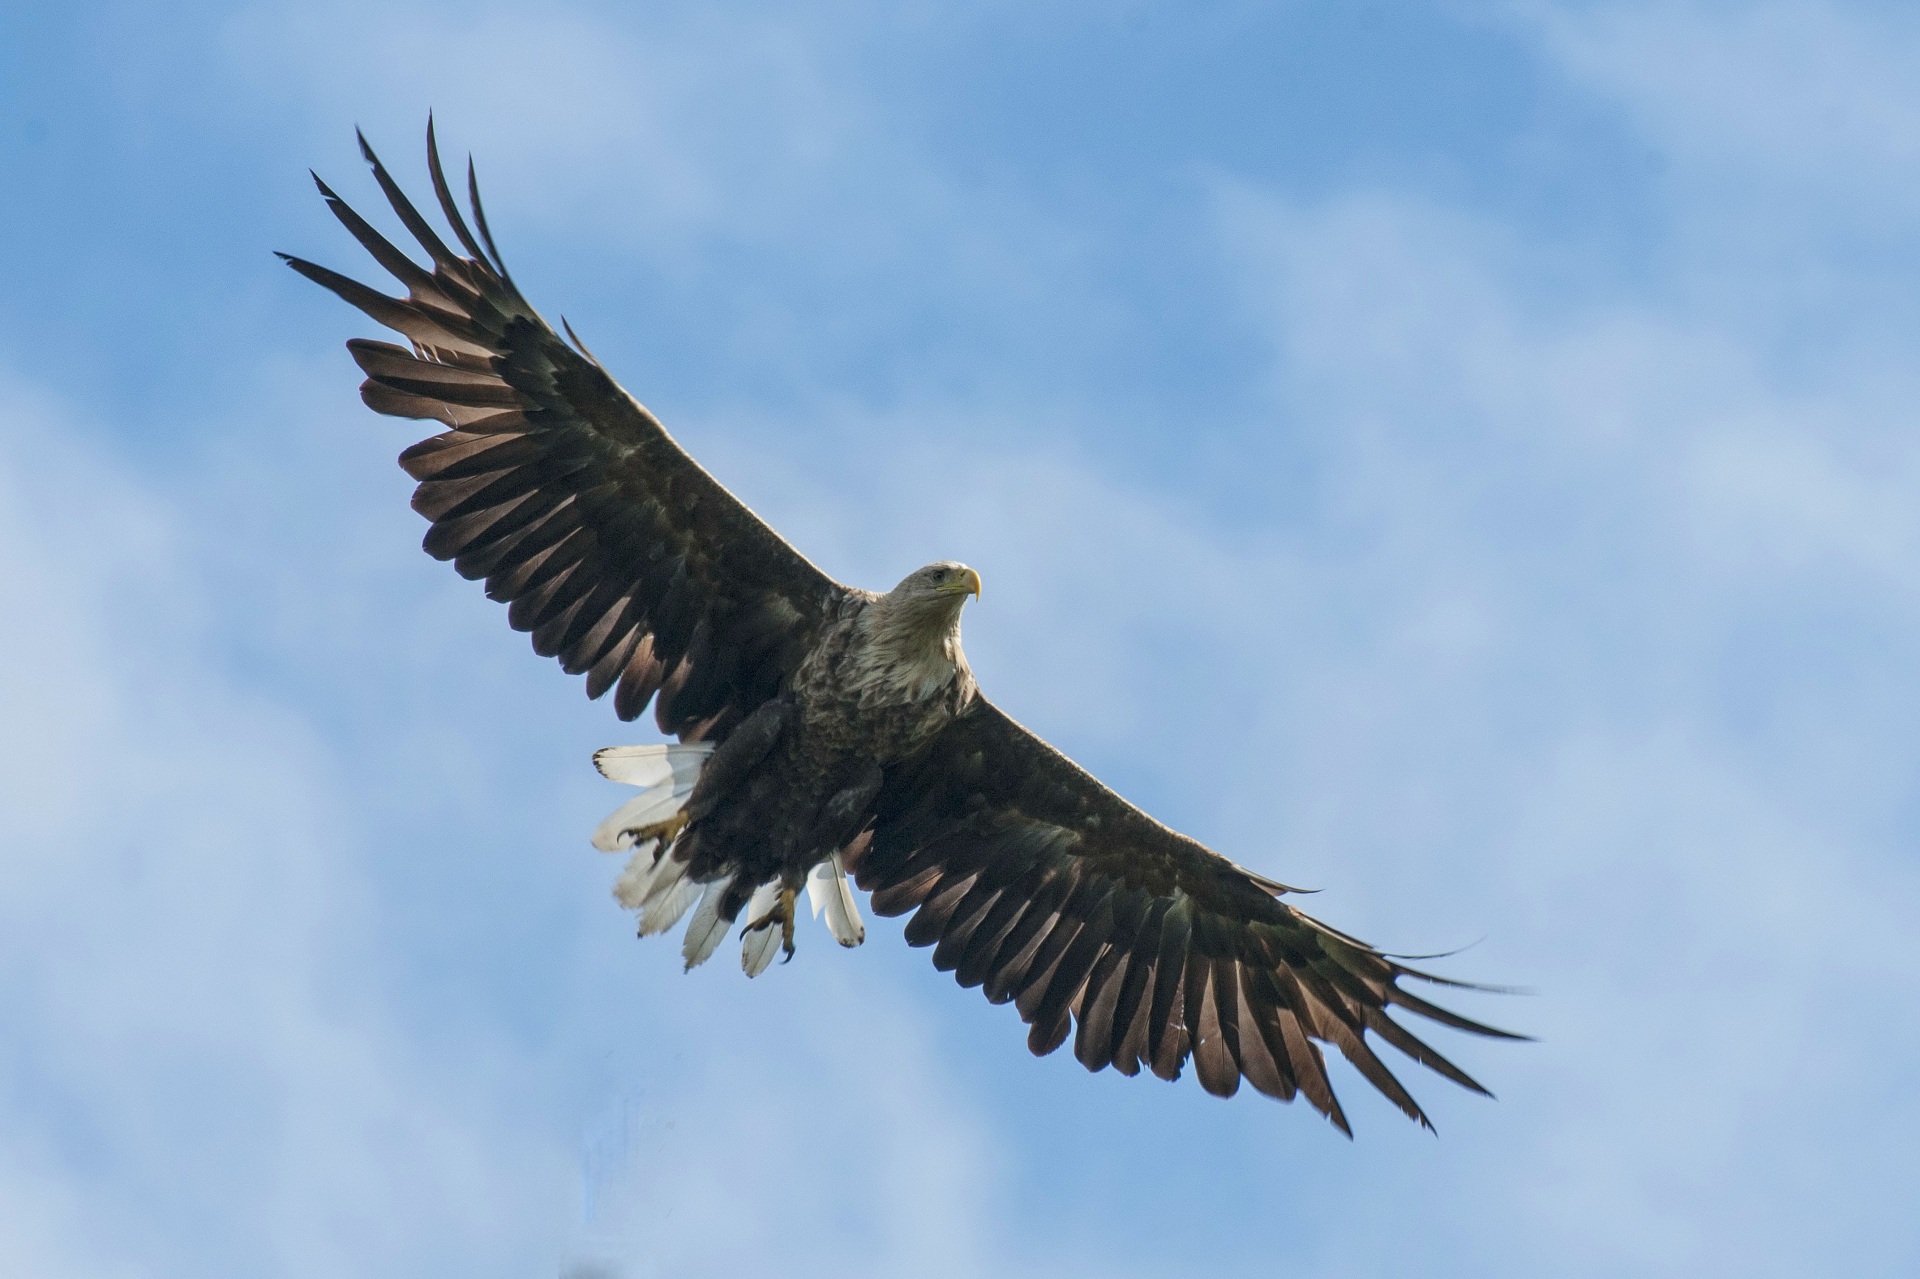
[{"x": 826, "y": 730}]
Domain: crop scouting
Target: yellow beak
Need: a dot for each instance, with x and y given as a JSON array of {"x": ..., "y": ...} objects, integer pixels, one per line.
[{"x": 968, "y": 583}]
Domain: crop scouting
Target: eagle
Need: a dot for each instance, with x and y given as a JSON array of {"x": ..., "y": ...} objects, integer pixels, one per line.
[{"x": 825, "y": 731}]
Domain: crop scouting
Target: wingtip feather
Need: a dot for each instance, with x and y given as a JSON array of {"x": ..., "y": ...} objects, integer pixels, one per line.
[{"x": 480, "y": 221}]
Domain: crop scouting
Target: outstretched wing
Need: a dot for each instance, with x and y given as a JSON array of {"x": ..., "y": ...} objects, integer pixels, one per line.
[
  {"x": 623, "y": 557},
  {"x": 1036, "y": 882}
]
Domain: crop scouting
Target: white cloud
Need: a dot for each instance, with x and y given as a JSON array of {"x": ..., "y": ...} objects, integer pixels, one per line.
[
  {"x": 1490, "y": 679},
  {"x": 236, "y": 906},
  {"x": 1818, "y": 97},
  {"x": 659, "y": 131},
  {"x": 1646, "y": 747},
  {"x": 814, "y": 1132},
  {"x": 1591, "y": 633},
  {"x": 197, "y": 1032}
]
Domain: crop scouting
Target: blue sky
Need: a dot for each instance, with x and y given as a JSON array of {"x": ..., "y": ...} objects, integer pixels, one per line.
[{"x": 1460, "y": 456}]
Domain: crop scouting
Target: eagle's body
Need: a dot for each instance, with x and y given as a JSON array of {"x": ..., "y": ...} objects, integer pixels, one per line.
[
  {"x": 887, "y": 677},
  {"x": 795, "y": 783},
  {"x": 825, "y": 730}
]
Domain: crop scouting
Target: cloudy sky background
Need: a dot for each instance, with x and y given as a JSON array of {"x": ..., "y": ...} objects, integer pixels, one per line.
[{"x": 1461, "y": 456}]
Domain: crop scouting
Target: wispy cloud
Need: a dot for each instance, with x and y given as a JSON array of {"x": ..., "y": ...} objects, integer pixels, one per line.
[
  {"x": 196, "y": 1029},
  {"x": 1576, "y": 612}
]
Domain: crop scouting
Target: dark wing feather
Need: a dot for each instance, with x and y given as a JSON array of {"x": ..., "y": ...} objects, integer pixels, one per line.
[
  {"x": 1031, "y": 878},
  {"x": 624, "y": 558}
]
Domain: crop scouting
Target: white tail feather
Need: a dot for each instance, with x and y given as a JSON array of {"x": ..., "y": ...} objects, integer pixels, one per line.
[
  {"x": 828, "y": 890},
  {"x": 647, "y": 766},
  {"x": 756, "y": 950},
  {"x": 631, "y": 888},
  {"x": 763, "y": 900},
  {"x": 706, "y": 928},
  {"x": 757, "y": 947},
  {"x": 655, "y": 883},
  {"x": 623, "y": 825},
  {"x": 667, "y": 773},
  {"x": 667, "y": 897}
]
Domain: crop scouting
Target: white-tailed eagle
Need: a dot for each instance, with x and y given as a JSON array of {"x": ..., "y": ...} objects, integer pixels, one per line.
[{"x": 826, "y": 730}]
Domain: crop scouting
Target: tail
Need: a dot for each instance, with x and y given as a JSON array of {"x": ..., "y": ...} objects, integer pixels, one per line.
[
  {"x": 665, "y": 775},
  {"x": 655, "y": 885},
  {"x": 828, "y": 890}
]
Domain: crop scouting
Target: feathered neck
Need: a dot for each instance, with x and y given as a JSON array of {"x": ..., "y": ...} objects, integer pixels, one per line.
[
  {"x": 913, "y": 644},
  {"x": 918, "y": 626}
]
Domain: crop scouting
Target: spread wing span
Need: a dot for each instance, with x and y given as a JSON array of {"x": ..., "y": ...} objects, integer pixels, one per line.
[
  {"x": 624, "y": 558},
  {"x": 1032, "y": 880}
]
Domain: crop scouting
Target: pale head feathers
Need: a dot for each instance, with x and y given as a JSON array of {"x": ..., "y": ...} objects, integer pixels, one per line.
[
  {"x": 914, "y": 629},
  {"x": 927, "y": 602}
]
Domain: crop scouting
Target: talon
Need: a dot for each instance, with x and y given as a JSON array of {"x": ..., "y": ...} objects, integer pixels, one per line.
[
  {"x": 665, "y": 831},
  {"x": 781, "y": 913}
]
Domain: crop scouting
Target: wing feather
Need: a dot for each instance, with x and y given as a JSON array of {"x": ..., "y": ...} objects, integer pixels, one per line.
[
  {"x": 1066, "y": 979},
  {"x": 1017, "y": 950},
  {"x": 1037, "y": 883},
  {"x": 976, "y": 962},
  {"x": 967, "y": 917},
  {"x": 1130, "y": 996},
  {"x": 623, "y": 557},
  {"x": 1261, "y": 1021}
]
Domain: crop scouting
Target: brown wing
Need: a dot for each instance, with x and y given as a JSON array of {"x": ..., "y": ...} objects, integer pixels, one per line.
[
  {"x": 1036, "y": 882},
  {"x": 625, "y": 559}
]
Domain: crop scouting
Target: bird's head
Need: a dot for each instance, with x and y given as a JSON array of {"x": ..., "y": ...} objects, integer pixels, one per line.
[
  {"x": 946, "y": 584},
  {"x": 929, "y": 599}
]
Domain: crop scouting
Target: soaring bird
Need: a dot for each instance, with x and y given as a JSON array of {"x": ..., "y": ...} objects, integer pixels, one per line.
[{"x": 826, "y": 731}]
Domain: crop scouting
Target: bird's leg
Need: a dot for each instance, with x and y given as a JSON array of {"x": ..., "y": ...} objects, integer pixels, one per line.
[
  {"x": 665, "y": 831},
  {"x": 781, "y": 912}
]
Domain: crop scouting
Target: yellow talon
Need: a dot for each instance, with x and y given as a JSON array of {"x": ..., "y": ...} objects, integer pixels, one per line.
[
  {"x": 780, "y": 912},
  {"x": 665, "y": 831}
]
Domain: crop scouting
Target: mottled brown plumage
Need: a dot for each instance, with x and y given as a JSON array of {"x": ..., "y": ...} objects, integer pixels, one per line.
[{"x": 845, "y": 728}]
